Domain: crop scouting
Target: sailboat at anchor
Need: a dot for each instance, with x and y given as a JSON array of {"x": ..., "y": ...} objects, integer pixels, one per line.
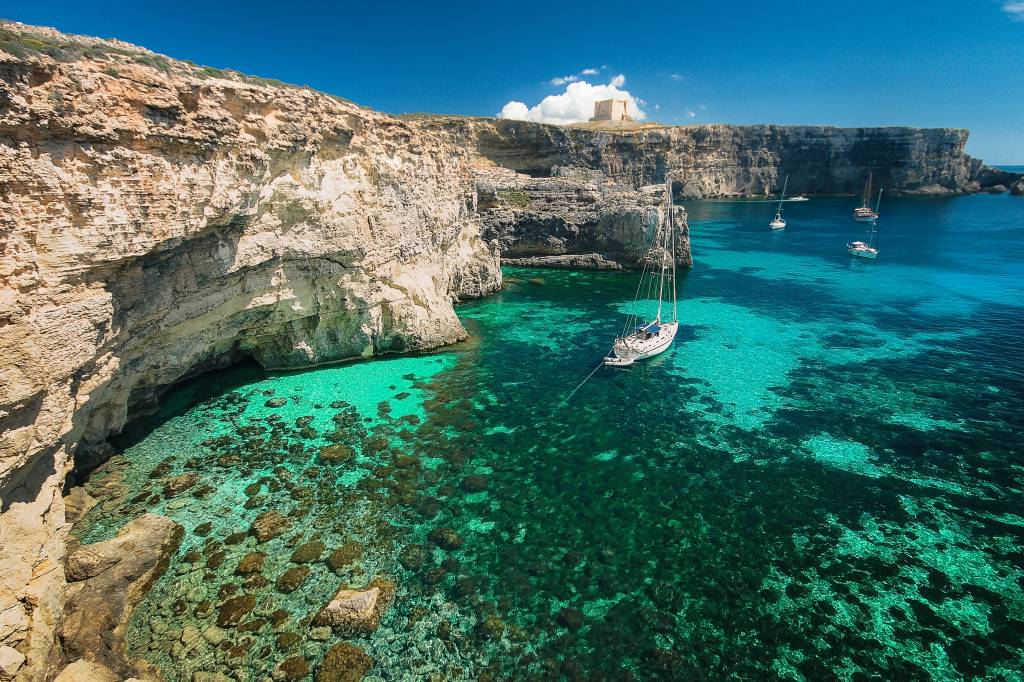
[
  {"x": 641, "y": 337},
  {"x": 864, "y": 213},
  {"x": 779, "y": 223}
]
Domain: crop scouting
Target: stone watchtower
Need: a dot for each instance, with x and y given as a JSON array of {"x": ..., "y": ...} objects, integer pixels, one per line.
[{"x": 611, "y": 110}]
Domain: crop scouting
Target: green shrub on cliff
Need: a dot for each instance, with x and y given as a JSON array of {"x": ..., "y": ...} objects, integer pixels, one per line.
[{"x": 515, "y": 198}]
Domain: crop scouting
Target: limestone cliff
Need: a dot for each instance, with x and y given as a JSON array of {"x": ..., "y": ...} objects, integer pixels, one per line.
[
  {"x": 157, "y": 219},
  {"x": 728, "y": 160},
  {"x": 576, "y": 218}
]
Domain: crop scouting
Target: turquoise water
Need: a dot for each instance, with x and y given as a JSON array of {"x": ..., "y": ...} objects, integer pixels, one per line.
[{"x": 821, "y": 480}]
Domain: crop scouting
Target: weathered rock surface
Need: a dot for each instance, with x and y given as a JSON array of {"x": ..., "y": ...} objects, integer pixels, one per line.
[
  {"x": 581, "y": 217},
  {"x": 728, "y": 160},
  {"x": 357, "y": 611},
  {"x": 98, "y": 607}
]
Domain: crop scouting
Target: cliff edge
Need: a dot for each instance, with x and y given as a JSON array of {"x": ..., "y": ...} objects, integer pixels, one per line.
[{"x": 158, "y": 219}]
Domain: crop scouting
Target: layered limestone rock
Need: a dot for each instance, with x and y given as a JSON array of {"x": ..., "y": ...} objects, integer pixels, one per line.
[
  {"x": 576, "y": 218},
  {"x": 158, "y": 219},
  {"x": 728, "y": 160}
]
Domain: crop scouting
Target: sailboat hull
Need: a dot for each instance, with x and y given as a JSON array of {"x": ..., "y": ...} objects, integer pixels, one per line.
[
  {"x": 873, "y": 254},
  {"x": 777, "y": 224},
  {"x": 635, "y": 347},
  {"x": 865, "y": 218}
]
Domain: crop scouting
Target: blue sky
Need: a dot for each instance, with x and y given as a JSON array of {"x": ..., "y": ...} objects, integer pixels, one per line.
[{"x": 944, "y": 63}]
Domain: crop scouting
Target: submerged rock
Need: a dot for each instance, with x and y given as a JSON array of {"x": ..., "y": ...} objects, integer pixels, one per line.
[
  {"x": 413, "y": 557},
  {"x": 292, "y": 579},
  {"x": 339, "y": 452},
  {"x": 251, "y": 563},
  {"x": 180, "y": 484},
  {"x": 345, "y": 555},
  {"x": 269, "y": 525},
  {"x": 570, "y": 618},
  {"x": 344, "y": 662},
  {"x": 308, "y": 553},
  {"x": 474, "y": 484},
  {"x": 358, "y": 611},
  {"x": 235, "y": 609},
  {"x": 445, "y": 538}
]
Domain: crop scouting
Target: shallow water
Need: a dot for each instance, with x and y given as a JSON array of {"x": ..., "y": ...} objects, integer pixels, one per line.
[{"x": 821, "y": 480}]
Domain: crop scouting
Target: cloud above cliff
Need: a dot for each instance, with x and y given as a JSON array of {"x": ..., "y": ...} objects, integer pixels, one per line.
[
  {"x": 1015, "y": 9},
  {"x": 575, "y": 104}
]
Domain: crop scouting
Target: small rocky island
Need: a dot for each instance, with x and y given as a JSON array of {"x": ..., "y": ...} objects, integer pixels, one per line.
[{"x": 162, "y": 219}]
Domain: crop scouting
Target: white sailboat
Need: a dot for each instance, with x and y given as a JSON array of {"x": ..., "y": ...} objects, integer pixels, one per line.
[
  {"x": 867, "y": 249},
  {"x": 865, "y": 214},
  {"x": 800, "y": 197},
  {"x": 779, "y": 223},
  {"x": 641, "y": 337}
]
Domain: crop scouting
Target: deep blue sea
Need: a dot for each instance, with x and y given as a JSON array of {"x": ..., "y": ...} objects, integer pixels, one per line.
[{"x": 822, "y": 479}]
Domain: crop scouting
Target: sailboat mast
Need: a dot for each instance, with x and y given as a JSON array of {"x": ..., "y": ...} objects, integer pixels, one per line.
[
  {"x": 867, "y": 190},
  {"x": 672, "y": 252},
  {"x": 785, "y": 184},
  {"x": 879, "y": 202},
  {"x": 661, "y": 247}
]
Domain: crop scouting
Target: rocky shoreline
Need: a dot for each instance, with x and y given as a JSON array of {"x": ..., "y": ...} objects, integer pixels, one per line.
[{"x": 162, "y": 219}]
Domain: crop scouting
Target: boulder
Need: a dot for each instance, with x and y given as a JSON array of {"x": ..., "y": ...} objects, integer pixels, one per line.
[
  {"x": 269, "y": 525},
  {"x": 294, "y": 668},
  {"x": 235, "y": 609},
  {"x": 344, "y": 662},
  {"x": 357, "y": 611},
  {"x": 89, "y": 561},
  {"x": 308, "y": 553},
  {"x": 445, "y": 538},
  {"x": 180, "y": 484},
  {"x": 339, "y": 452},
  {"x": 251, "y": 563},
  {"x": 345, "y": 555},
  {"x": 292, "y": 579},
  {"x": 98, "y": 611}
]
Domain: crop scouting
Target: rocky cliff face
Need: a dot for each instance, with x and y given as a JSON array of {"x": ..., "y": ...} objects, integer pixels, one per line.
[
  {"x": 552, "y": 222},
  {"x": 157, "y": 219},
  {"x": 726, "y": 160}
]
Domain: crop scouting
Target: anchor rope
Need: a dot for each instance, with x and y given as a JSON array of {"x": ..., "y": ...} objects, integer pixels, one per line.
[{"x": 567, "y": 398}]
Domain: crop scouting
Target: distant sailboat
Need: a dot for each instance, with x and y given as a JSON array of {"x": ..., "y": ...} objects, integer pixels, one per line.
[
  {"x": 864, "y": 214},
  {"x": 778, "y": 223},
  {"x": 642, "y": 338},
  {"x": 799, "y": 197},
  {"x": 867, "y": 249}
]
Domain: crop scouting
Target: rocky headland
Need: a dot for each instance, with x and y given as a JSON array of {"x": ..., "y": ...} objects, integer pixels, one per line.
[
  {"x": 159, "y": 219},
  {"x": 709, "y": 161}
]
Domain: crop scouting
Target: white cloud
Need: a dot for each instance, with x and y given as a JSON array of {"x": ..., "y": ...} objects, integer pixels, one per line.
[
  {"x": 589, "y": 72},
  {"x": 690, "y": 113},
  {"x": 675, "y": 76},
  {"x": 574, "y": 105},
  {"x": 562, "y": 80},
  {"x": 1014, "y": 8}
]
